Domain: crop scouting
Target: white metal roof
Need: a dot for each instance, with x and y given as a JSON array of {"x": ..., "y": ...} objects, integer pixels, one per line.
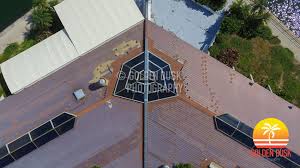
[
  {"x": 38, "y": 61},
  {"x": 90, "y": 23}
]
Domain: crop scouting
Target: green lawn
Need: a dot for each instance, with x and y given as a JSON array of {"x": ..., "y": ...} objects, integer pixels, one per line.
[
  {"x": 268, "y": 63},
  {"x": 11, "y": 10}
]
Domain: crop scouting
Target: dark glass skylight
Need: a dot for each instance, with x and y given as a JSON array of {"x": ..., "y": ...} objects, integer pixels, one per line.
[
  {"x": 36, "y": 138},
  {"x": 242, "y": 133},
  {"x": 130, "y": 84}
]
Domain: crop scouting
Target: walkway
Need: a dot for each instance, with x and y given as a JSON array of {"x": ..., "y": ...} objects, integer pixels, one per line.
[
  {"x": 16, "y": 32},
  {"x": 288, "y": 39}
]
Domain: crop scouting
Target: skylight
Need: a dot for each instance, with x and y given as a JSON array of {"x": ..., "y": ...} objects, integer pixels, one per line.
[{"x": 131, "y": 82}]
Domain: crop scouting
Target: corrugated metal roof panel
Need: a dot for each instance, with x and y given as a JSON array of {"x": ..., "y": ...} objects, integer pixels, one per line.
[
  {"x": 223, "y": 90},
  {"x": 89, "y": 23},
  {"x": 38, "y": 61}
]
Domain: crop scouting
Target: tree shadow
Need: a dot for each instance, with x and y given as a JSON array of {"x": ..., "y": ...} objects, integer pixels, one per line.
[
  {"x": 195, "y": 6},
  {"x": 211, "y": 33},
  {"x": 29, "y": 29}
]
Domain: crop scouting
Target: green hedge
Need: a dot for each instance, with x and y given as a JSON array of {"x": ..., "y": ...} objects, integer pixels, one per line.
[
  {"x": 14, "y": 49},
  {"x": 246, "y": 21},
  {"x": 183, "y": 165},
  {"x": 213, "y": 4},
  {"x": 1, "y": 91}
]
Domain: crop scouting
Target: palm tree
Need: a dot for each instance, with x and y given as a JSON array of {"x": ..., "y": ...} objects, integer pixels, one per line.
[
  {"x": 270, "y": 129},
  {"x": 41, "y": 19},
  {"x": 40, "y": 3},
  {"x": 259, "y": 6},
  {"x": 258, "y": 10}
]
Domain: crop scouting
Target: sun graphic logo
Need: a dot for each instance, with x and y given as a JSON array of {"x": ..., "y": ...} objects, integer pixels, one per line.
[{"x": 270, "y": 133}]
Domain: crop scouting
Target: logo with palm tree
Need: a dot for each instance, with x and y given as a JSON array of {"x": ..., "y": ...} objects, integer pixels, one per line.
[{"x": 270, "y": 133}]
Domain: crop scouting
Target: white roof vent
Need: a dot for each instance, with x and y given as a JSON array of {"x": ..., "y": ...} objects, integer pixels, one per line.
[
  {"x": 214, "y": 165},
  {"x": 79, "y": 94}
]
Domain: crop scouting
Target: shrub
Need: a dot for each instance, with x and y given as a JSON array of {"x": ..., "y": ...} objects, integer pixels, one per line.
[
  {"x": 250, "y": 27},
  {"x": 231, "y": 25},
  {"x": 40, "y": 3},
  {"x": 183, "y": 165},
  {"x": 247, "y": 19},
  {"x": 229, "y": 57},
  {"x": 41, "y": 19},
  {"x": 11, "y": 50},
  {"x": 53, "y": 3},
  {"x": 275, "y": 40},
  {"x": 14, "y": 49},
  {"x": 240, "y": 10},
  {"x": 213, "y": 4},
  {"x": 44, "y": 18},
  {"x": 2, "y": 58},
  {"x": 1, "y": 91},
  {"x": 264, "y": 32},
  {"x": 42, "y": 35},
  {"x": 26, "y": 44}
]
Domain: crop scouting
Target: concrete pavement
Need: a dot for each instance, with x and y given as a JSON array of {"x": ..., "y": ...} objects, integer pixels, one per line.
[
  {"x": 16, "y": 32},
  {"x": 288, "y": 39}
]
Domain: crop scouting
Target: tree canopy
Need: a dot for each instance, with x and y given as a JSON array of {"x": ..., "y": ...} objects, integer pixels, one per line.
[
  {"x": 41, "y": 19},
  {"x": 247, "y": 20},
  {"x": 213, "y": 4}
]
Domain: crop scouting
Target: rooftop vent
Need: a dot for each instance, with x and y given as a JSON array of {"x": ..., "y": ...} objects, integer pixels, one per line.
[
  {"x": 79, "y": 94},
  {"x": 98, "y": 85},
  {"x": 214, "y": 165},
  {"x": 252, "y": 80}
]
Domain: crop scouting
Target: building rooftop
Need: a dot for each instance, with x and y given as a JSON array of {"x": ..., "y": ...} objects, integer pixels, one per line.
[
  {"x": 81, "y": 33},
  {"x": 109, "y": 128},
  {"x": 93, "y": 22},
  {"x": 223, "y": 90},
  {"x": 179, "y": 132},
  {"x": 53, "y": 95},
  {"x": 38, "y": 61}
]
